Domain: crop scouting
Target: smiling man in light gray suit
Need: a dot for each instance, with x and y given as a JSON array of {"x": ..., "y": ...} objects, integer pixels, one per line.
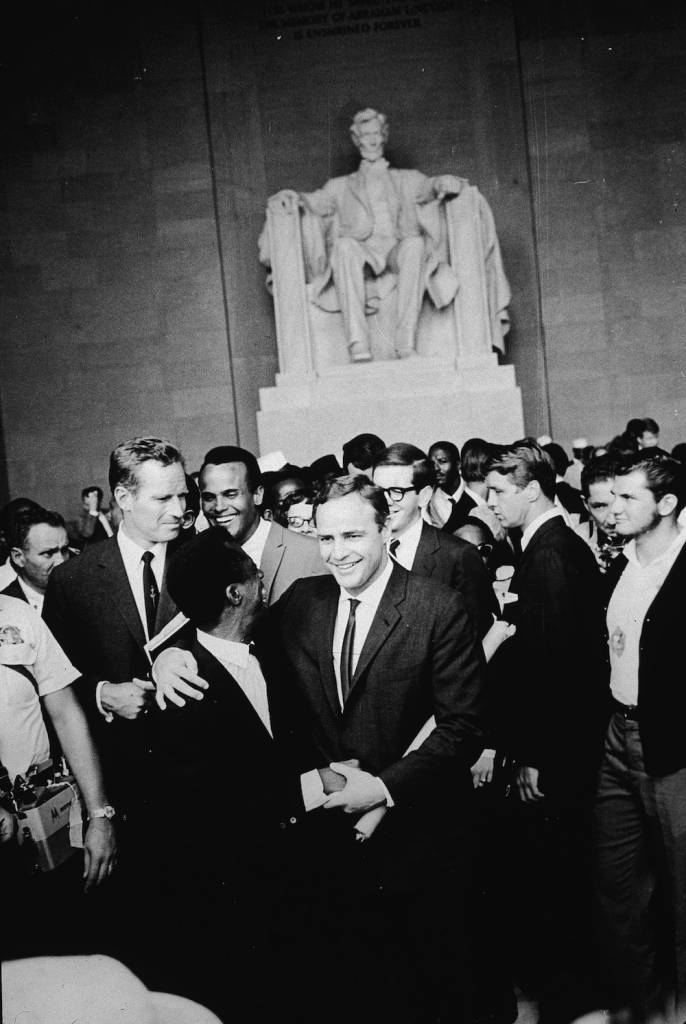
[{"x": 231, "y": 493}]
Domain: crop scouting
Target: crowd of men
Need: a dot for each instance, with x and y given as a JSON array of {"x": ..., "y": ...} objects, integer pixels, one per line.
[{"x": 396, "y": 738}]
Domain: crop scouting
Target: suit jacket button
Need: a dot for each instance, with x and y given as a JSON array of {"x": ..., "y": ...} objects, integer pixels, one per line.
[
  {"x": 282, "y": 824},
  {"x": 293, "y": 821}
]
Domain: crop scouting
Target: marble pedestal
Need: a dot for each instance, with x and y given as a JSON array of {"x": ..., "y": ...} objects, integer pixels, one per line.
[{"x": 417, "y": 400}]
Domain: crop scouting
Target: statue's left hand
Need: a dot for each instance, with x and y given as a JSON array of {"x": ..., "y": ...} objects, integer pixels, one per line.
[
  {"x": 448, "y": 185},
  {"x": 285, "y": 201}
]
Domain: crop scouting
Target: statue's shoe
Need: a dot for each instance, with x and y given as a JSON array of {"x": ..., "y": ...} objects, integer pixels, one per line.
[{"x": 359, "y": 352}]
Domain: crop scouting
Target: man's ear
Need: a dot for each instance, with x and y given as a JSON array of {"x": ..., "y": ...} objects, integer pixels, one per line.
[
  {"x": 17, "y": 557},
  {"x": 234, "y": 594},
  {"x": 123, "y": 497},
  {"x": 533, "y": 489},
  {"x": 666, "y": 505},
  {"x": 258, "y": 495},
  {"x": 424, "y": 495}
]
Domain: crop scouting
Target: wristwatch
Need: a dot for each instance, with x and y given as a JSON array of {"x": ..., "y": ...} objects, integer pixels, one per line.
[{"x": 103, "y": 812}]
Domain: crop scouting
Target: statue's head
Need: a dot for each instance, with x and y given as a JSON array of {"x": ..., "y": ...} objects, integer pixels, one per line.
[{"x": 369, "y": 131}]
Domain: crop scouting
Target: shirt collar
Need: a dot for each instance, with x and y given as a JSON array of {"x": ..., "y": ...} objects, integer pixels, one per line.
[
  {"x": 31, "y": 592},
  {"x": 255, "y": 544},
  {"x": 668, "y": 555},
  {"x": 528, "y": 533},
  {"x": 372, "y": 594},
  {"x": 472, "y": 494},
  {"x": 411, "y": 534},
  {"x": 131, "y": 552},
  {"x": 226, "y": 651}
]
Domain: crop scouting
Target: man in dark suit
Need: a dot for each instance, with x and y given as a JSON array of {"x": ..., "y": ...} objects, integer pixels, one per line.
[
  {"x": 406, "y": 477},
  {"x": 377, "y": 651},
  {"x": 641, "y": 800},
  {"x": 93, "y": 524},
  {"x": 104, "y": 605},
  {"x": 552, "y": 679},
  {"x": 236, "y": 763},
  {"x": 231, "y": 492}
]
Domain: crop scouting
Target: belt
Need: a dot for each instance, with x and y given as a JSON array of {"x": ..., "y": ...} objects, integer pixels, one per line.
[{"x": 629, "y": 711}]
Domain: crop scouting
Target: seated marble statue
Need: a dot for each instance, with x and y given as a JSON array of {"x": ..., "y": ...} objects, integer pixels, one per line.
[{"x": 380, "y": 229}]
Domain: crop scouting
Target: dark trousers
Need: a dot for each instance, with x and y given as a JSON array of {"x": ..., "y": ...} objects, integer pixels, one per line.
[
  {"x": 640, "y": 874},
  {"x": 550, "y": 905}
]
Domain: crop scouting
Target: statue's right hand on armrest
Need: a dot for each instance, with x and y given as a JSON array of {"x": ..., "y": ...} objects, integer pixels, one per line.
[{"x": 286, "y": 201}]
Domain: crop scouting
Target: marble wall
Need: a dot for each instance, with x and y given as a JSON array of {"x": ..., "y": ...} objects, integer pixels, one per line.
[{"x": 139, "y": 153}]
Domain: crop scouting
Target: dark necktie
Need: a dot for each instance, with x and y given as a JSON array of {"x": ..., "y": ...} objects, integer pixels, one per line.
[
  {"x": 393, "y": 547},
  {"x": 347, "y": 651},
  {"x": 151, "y": 594}
]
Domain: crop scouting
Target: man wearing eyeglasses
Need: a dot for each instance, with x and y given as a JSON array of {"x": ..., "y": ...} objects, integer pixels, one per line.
[{"x": 407, "y": 477}]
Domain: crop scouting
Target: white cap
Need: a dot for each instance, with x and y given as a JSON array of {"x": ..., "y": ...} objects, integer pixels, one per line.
[
  {"x": 544, "y": 439},
  {"x": 580, "y": 442},
  {"x": 272, "y": 462}
]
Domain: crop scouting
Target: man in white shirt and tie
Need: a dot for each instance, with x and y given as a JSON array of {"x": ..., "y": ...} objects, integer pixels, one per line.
[
  {"x": 407, "y": 477},
  {"x": 104, "y": 605},
  {"x": 376, "y": 651}
]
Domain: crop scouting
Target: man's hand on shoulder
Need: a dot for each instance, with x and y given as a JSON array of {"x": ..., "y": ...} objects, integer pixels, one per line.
[
  {"x": 176, "y": 675},
  {"x": 127, "y": 700}
]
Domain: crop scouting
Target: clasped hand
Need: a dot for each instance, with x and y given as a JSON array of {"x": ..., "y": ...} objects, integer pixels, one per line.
[
  {"x": 361, "y": 792},
  {"x": 129, "y": 699}
]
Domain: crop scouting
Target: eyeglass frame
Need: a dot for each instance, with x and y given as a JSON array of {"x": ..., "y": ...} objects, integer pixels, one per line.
[{"x": 402, "y": 491}]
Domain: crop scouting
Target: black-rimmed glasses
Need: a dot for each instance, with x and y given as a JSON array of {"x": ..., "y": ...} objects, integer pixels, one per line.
[{"x": 397, "y": 493}]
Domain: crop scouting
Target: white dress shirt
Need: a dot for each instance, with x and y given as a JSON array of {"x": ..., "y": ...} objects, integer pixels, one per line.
[
  {"x": 528, "y": 533},
  {"x": 409, "y": 542},
  {"x": 240, "y": 663},
  {"x": 255, "y": 544},
  {"x": 369, "y": 599},
  {"x": 474, "y": 496},
  {"x": 34, "y": 598},
  {"x": 132, "y": 556},
  {"x": 636, "y": 590}
]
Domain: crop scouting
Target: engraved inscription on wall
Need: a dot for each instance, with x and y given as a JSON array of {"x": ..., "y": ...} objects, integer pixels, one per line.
[{"x": 320, "y": 19}]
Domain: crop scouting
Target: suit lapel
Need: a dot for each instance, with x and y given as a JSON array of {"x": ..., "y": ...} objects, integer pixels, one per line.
[
  {"x": 383, "y": 624},
  {"x": 117, "y": 586},
  {"x": 271, "y": 558},
  {"x": 425, "y": 556}
]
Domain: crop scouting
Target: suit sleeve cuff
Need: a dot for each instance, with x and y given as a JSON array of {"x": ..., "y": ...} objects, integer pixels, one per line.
[
  {"x": 312, "y": 790},
  {"x": 390, "y": 802},
  {"x": 107, "y": 715}
]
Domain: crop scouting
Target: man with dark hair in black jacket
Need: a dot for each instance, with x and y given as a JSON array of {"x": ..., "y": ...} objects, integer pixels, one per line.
[{"x": 641, "y": 800}]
